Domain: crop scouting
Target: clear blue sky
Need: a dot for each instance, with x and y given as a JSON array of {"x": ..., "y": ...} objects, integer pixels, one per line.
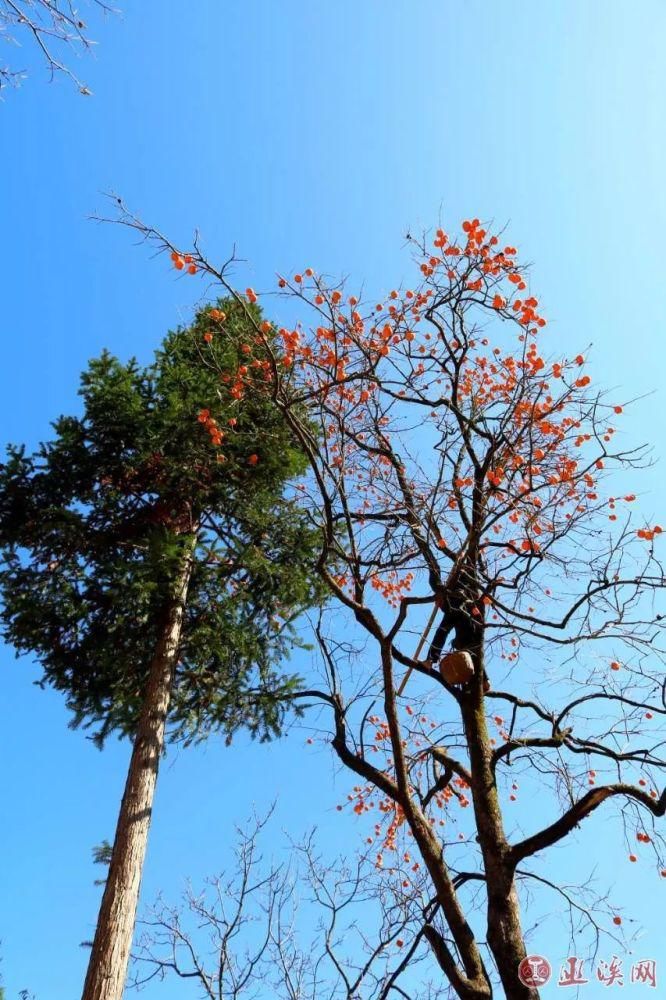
[{"x": 306, "y": 134}]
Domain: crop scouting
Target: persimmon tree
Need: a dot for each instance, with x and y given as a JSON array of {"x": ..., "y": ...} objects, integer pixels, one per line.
[
  {"x": 53, "y": 26},
  {"x": 155, "y": 579},
  {"x": 461, "y": 473}
]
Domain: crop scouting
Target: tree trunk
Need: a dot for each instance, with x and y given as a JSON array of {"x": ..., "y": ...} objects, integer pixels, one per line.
[
  {"x": 107, "y": 967},
  {"x": 504, "y": 932},
  {"x": 505, "y": 937}
]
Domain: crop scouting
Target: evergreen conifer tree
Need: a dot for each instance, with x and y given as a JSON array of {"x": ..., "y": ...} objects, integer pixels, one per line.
[{"x": 154, "y": 561}]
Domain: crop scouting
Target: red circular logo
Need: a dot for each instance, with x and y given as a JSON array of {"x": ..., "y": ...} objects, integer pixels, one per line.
[{"x": 534, "y": 970}]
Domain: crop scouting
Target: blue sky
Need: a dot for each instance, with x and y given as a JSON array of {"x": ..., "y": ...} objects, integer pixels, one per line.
[{"x": 306, "y": 135}]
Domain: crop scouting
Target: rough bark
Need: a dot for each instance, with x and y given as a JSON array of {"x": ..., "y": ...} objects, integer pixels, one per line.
[
  {"x": 504, "y": 931},
  {"x": 107, "y": 967}
]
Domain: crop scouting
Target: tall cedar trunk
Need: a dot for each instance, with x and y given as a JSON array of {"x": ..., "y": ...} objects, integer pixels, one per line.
[
  {"x": 107, "y": 968},
  {"x": 504, "y": 931}
]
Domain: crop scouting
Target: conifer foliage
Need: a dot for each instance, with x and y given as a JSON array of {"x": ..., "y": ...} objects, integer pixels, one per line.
[{"x": 157, "y": 579}]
